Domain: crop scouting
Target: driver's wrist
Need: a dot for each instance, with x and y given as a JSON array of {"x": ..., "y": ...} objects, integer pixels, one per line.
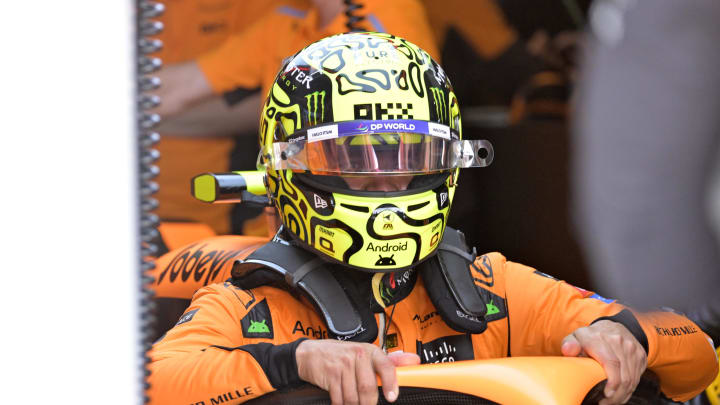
[
  {"x": 294, "y": 377},
  {"x": 628, "y": 320},
  {"x": 299, "y": 358},
  {"x": 277, "y": 362}
]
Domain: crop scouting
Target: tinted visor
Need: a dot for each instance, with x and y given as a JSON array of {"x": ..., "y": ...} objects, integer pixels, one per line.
[{"x": 395, "y": 147}]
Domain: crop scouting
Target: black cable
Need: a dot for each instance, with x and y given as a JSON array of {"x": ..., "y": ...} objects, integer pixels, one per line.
[
  {"x": 147, "y": 138},
  {"x": 385, "y": 329},
  {"x": 351, "y": 7}
]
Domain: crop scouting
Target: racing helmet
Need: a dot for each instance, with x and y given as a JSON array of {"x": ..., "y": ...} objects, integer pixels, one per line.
[{"x": 360, "y": 139}]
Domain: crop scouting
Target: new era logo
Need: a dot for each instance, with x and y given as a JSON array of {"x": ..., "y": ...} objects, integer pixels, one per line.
[{"x": 320, "y": 202}]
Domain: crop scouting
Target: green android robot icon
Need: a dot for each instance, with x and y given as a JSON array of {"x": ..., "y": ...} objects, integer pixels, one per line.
[
  {"x": 492, "y": 309},
  {"x": 258, "y": 327}
]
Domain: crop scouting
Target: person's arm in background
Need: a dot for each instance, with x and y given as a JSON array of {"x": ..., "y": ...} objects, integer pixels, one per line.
[
  {"x": 188, "y": 105},
  {"x": 182, "y": 85},
  {"x": 231, "y": 71},
  {"x": 213, "y": 116},
  {"x": 545, "y": 313},
  {"x": 191, "y": 102},
  {"x": 227, "y": 74}
]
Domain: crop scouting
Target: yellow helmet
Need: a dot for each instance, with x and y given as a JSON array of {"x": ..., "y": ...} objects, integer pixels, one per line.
[{"x": 358, "y": 108}]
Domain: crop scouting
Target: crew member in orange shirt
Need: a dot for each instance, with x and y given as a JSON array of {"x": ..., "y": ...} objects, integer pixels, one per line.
[
  {"x": 245, "y": 62},
  {"x": 361, "y": 142},
  {"x": 232, "y": 73},
  {"x": 190, "y": 29}
]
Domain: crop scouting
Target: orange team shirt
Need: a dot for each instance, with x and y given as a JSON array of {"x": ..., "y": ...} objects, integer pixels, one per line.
[
  {"x": 235, "y": 344},
  {"x": 191, "y": 28},
  {"x": 233, "y": 57},
  {"x": 480, "y": 22},
  {"x": 252, "y": 59}
]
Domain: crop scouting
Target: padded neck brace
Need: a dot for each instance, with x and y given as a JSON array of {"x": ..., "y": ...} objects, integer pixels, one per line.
[{"x": 345, "y": 298}]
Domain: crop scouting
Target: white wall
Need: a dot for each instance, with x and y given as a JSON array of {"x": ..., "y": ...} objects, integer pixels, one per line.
[{"x": 68, "y": 213}]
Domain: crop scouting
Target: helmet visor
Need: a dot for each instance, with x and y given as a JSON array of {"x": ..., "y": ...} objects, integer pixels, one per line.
[{"x": 393, "y": 147}]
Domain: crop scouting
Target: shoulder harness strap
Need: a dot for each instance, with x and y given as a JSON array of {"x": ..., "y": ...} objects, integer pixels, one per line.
[
  {"x": 451, "y": 287},
  {"x": 279, "y": 262}
]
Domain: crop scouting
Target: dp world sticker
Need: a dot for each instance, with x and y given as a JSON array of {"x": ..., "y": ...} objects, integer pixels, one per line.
[
  {"x": 322, "y": 133},
  {"x": 443, "y": 131}
]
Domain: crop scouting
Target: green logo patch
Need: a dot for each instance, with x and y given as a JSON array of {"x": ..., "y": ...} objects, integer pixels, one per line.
[
  {"x": 495, "y": 305},
  {"x": 258, "y": 322},
  {"x": 258, "y": 327},
  {"x": 492, "y": 309}
]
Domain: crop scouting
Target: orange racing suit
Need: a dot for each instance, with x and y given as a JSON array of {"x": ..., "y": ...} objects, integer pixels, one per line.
[{"x": 232, "y": 345}]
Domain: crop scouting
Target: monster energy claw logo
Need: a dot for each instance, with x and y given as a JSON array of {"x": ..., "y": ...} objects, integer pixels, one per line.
[
  {"x": 440, "y": 106},
  {"x": 315, "y": 102}
]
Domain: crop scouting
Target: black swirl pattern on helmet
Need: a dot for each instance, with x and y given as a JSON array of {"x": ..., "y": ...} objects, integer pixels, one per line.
[
  {"x": 365, "y": 74},
  {"x": 416, "y": 81},
  {"x": 375, "y": 44},
  {"x": 263, "y": 131},
  {"x": 330, "y": 56},
  {"x": 335, "y": 57},
  {"x": 311, "y": 194},
  {"x": 324, "y": 54},
  {"x": 401, "y": 80},
  {"x": 287, "y": 116},
  {"x": 276, "y": 100},
  {"x": 273, "y": 182},
  {"x": 405, "y": 218},
  {"x": 363, "y": 87},
  {"x": 284, "y": 182},
  {"x": 291, "y": 219},
  {"x": 405, "y": 50},
  {"x": 404, "y": 47},
  {"x": 283, "y": 112},
  {"x": 357, "y": 239}
]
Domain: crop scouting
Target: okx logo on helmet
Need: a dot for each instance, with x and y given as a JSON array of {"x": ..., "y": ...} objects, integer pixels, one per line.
[{"x": 361, "y": 140}]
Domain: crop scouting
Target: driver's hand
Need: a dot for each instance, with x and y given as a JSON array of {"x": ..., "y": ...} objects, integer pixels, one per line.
[
  {"x": 347, "y": 370},
  {"x": 617, "y": 350}
]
